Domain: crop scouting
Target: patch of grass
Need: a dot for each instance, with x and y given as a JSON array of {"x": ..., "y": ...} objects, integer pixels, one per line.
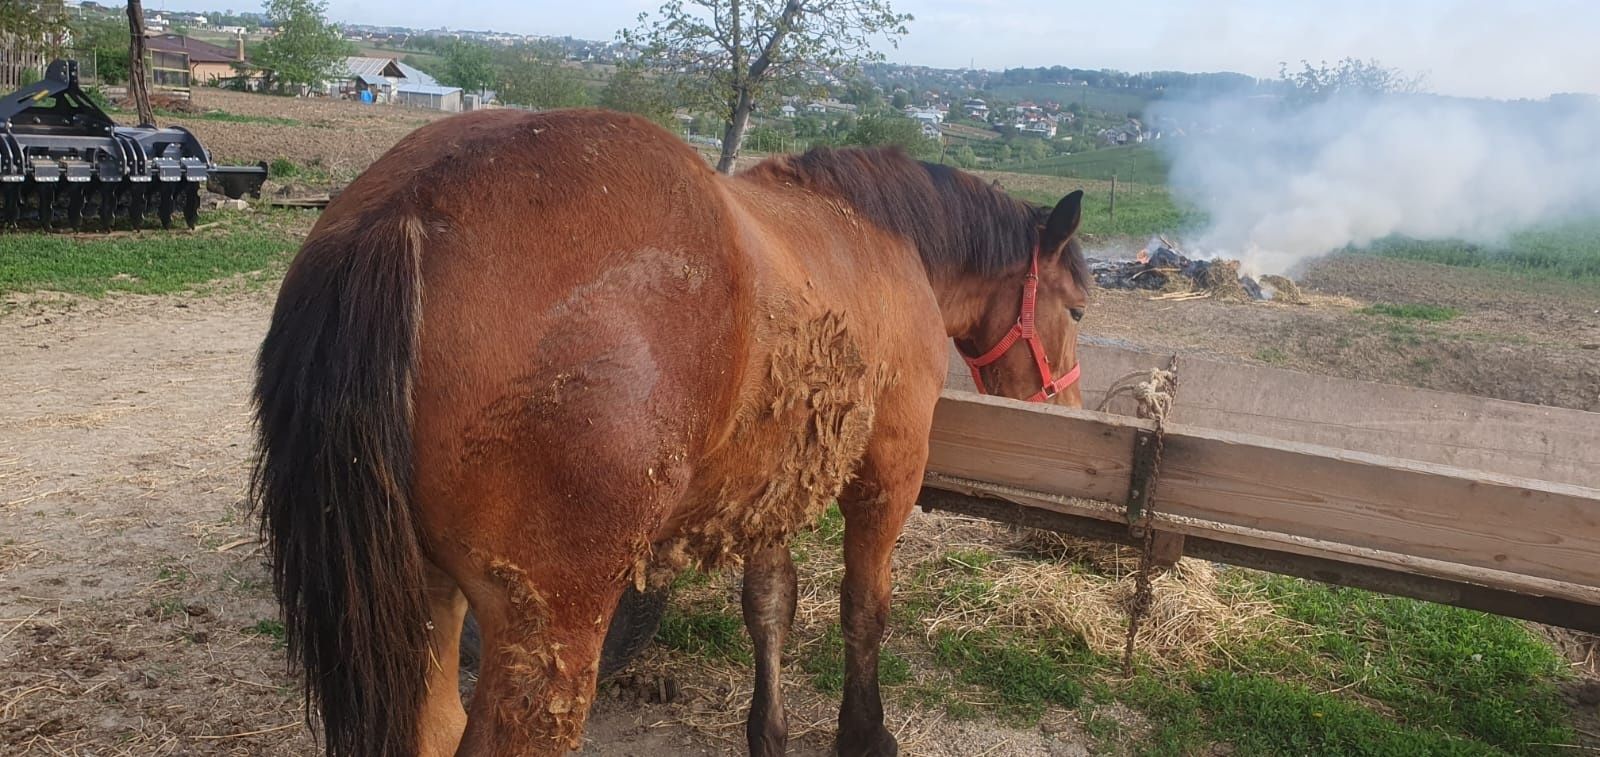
[
  {"x": 1567, "y": 250},
  {"x": 1412, "y": 311},
  {"x": 1272, "y": 355},
  {"x": 705, "y": 633},
  {"x": 1482, "y": 676},
  {"x": 230, "y": 118},
  {"x": 1131, "y": 164},
  {"x": 824, "y": 662},
  {"x": 283, "y": 168},
  {"x": 1027, "y": 675},
  {"x": 153, "y": 262},
  {"x": 1142, "y": 210},
  {"x": 270, "y": 628}
]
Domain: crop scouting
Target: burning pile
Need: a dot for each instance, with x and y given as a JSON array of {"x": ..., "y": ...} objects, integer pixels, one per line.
[{"x": 1161, "y": 268}]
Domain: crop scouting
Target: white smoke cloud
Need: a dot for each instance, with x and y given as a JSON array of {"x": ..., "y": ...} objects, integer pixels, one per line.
[{"x": 1282, "y": 184}]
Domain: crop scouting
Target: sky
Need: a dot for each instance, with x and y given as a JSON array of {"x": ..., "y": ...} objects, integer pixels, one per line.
[{"x": 1474, "y": 48}]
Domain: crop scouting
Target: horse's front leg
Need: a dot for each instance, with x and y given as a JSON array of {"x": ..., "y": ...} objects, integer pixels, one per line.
[
  {"x": 769, "y": 597},
  {"x": 875, "y": 507}
]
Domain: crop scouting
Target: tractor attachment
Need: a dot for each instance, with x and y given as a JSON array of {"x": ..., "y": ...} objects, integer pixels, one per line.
[{"x": 62, "y": 160}]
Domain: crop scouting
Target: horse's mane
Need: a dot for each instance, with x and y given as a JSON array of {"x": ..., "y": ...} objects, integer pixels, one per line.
[{"x": 957, "y": 221}]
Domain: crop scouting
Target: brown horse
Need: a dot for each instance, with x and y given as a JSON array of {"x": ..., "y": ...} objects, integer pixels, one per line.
[{"x": 528, "y": 360}]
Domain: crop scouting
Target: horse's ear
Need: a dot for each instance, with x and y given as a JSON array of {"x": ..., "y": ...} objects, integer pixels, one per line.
[{"x": 1062, "y": 223}]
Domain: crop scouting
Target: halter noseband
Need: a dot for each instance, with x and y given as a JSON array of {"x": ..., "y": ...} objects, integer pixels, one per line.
[{"x": 1024, "y": 330}]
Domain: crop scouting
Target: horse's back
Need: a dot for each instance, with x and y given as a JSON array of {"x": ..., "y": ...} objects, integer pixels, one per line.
[{"x": 580, "y": 280}]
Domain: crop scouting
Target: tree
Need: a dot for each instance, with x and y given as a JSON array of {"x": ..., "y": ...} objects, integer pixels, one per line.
[
  {"x": 1347, "y": 76},
  {"x": 468, "y": 65},
  {"x": 532, "y": 75},
  {"x": 307, "y": 47},
  {"x": 630, "y": 90},
  {"x": 732, "y": 54},
  {"x": 107, "y": 41},
  {"x": 900, "y": 100},
  {"x": 136, "y": 83},
  {"x": 884, "y": 131}
]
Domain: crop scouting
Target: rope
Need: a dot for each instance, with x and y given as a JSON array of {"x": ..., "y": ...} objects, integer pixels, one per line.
[{"x": 1155, "y": 397}]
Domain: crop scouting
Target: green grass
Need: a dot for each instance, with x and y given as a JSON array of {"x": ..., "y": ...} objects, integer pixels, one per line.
[
  {"x": 824, "y": 662},
  {"x": 717, "y": 633},
  {"x": 1134, "y": 164},
  {"x": 1027, "y": 674},
  {"x": 1568, "y": 250},
  {"x": 1361, "y": 673},
  {"x": 1141, "y": 211},
  {"x": 152, "y": 262},
  {"x": 220, "y": 116},
  {"x": 1412, "y": 311}
]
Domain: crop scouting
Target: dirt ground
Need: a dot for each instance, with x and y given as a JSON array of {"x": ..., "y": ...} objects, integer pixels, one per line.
[{"x": 135, "y": 616}]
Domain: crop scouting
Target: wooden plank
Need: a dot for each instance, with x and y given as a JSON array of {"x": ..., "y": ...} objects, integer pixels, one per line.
[
  {"x": 1422, "y": 510},
  {"x": 1508, "y": 438},
  {"x": 1081, "y": 454},
  {"x": 1036, "y": 503},
  {"x": 1581, "y": 613}
]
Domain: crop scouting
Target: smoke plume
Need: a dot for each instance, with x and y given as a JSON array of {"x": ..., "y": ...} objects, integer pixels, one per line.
[{"x": 1282, "y": 184}]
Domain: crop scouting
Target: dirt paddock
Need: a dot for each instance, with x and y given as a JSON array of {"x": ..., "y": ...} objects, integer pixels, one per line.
[
  {"x": 135, "y": 613},
  {"x": 135, "y": 616}
]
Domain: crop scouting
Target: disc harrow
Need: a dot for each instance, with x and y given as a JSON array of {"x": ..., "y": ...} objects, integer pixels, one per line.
[{"x": 65, "y": 162}]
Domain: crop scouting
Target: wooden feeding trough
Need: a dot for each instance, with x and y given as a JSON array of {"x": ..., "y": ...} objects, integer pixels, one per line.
[{"x": 1479, "y": 503}]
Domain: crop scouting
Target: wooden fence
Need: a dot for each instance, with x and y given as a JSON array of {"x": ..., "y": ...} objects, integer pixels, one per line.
[{"x": 1479, "y": 503}]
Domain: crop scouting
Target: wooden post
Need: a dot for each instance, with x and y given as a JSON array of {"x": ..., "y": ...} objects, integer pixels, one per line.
[
  {"x": 137, "y": 88},
  {"x": 1113, "y": 198}
]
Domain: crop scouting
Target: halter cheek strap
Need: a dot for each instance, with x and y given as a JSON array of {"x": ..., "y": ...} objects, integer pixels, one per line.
[{"x": 1024, "y": 330}]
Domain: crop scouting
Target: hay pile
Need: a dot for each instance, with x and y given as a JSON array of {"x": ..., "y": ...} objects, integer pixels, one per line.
[{"x": 1283, "y": 289}]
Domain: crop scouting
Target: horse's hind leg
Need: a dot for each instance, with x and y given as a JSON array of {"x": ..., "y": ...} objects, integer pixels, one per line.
[
  {"x": 541, "y": 655},
  {"x": 443, "y": 718},
  {"x": 875, "y": 507},
  {"x": 769, "y": 598}
]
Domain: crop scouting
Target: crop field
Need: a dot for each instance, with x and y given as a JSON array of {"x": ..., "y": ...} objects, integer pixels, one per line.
[{"x": 136, "y": 616}]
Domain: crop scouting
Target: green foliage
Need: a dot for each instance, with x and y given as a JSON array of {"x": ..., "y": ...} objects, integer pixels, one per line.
[
  {"x": 765, "y": 139},
  {"x": 1412, "y": 311},
  {"x": 307, "y": 48},
  {"x": 468, "y": 65},
  {"x": 105, "y": 38},
  {"x": 532, "y": 75},
  {"x": 631, "y": 90},
  {"x": 882, "y": 131},
  {"x": 1349, "y": 75},
  {"x": 728, "y": 57}
]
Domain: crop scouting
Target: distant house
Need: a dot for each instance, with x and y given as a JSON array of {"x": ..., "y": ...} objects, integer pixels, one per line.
[
  {"x": 788, "y": 111},
  {"x": 382, "y": 78},
  {"x": 976, "y": 108},
  {"x": 181, "y": 61},
  {"x": 931, "y": 130}
]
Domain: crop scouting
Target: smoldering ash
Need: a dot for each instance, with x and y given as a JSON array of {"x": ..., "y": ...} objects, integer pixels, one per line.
[{"x": 1283, "y": 184}]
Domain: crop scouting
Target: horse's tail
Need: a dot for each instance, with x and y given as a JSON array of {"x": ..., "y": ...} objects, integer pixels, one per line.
[{"x": 333, "y": 478}]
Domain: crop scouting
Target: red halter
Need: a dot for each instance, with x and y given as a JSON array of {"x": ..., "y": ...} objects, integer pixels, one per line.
[{"x": 1024, "y": 330}]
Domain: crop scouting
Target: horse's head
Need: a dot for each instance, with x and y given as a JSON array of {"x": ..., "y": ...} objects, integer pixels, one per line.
[{"x": 1028, "y": 350}]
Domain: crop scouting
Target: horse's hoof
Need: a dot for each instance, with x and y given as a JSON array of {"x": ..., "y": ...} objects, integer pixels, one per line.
[{"x": 876, "y": 743}]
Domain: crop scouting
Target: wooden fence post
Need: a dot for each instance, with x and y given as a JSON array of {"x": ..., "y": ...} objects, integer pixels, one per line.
[{"x": 1113, "y": 198}]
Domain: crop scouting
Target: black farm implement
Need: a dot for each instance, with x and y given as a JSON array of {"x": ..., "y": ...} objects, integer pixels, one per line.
[{"x": 64, "y": 161}]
